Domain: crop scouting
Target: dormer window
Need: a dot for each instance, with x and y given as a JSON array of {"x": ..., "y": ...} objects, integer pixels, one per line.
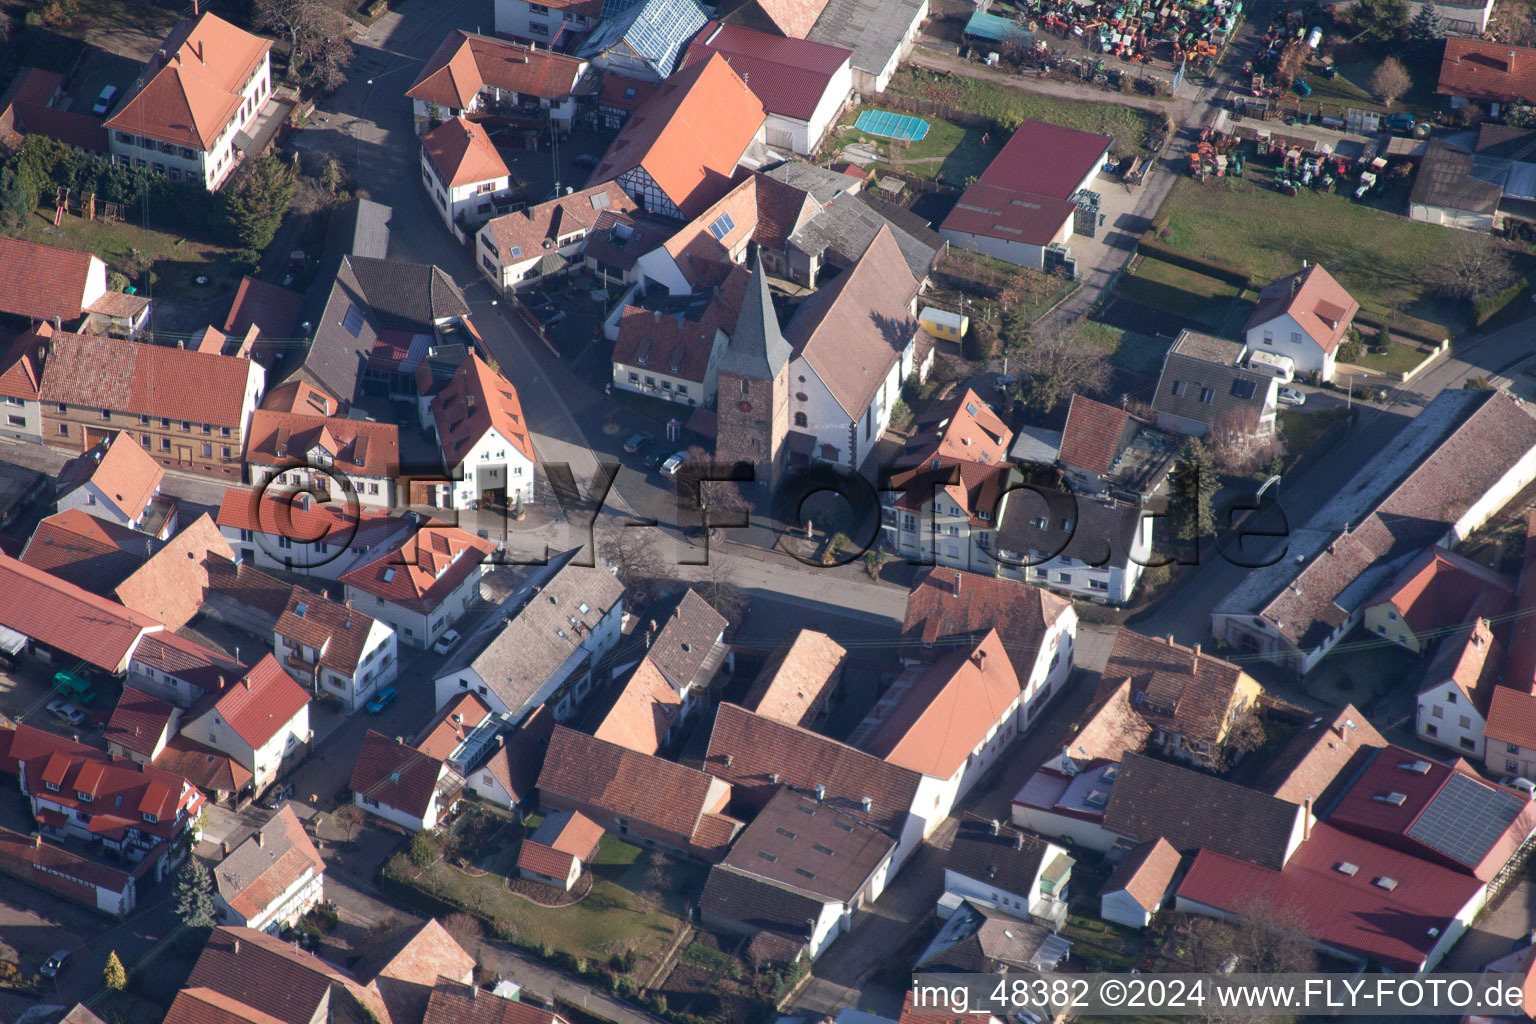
[
  {"x": 152, "y": 819},
  {"x": 84, "y": 796},
  {"x": 52, "y": 787}
]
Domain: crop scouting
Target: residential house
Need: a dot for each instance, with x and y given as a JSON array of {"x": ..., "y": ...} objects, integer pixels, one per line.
[
  {"x": 1511, "y": 715},
  {"x": 1008, "y": 870},
  {"x": 272, "y": 879},
  {"x": 464, "y": 174},
  {"x": 551, "y": 24},
  {"x": 1191, "y": 700},
  {"x": 423, "y": 585},
  {"x": 475, "y": 74},
  {"x": 1304, "y": 317},
  {"x": 637, "y": 796},
  {"x": 834, "y": 237},
  {"x": 358, "y": 458},
  {"x": 803, "y": 85},
  {"x": 550, "y": 650},
  {"x": 854, "y": 342},
  {"x": 1067, "y": 801},
  {"x": 401, "y": 784},
  {"x": 559, "y": 849},
  {"x": 171, "y": 667},
  {"x": 671, "y": 682},
  {"x": 977, "y": 939},
  {"x": 1447, "y": 471},
  {"x": 642, "y": 39},
  {"x": 33, "y": 105},
  {"x": 370, "y": 323},
  {"x": 948, "y": 511},
  {"x": 510, "y": 775},
  {"x": 673, "y": 352},
  {"x": 190, "y": 410},
  {"x": 1206, "y": 385},
  {"x": 272, "y": 309},
  {"x": 679, "y": 152},
  {"x": 486, "y": 445},
  {"x": 798, "y": 874},
  {"x": 949, "y": 609},
  {"x": 1436, "y": 591},
  {"x": 756, "y": 755},
  {"x": 412, "y": 971},
  {"x": 798, "y": 682},
  {"x": 58, "y": 288},
  {"x": 74, "y": 877},
  {"x": 522, "y": 248},
  {"x": 287, "y": 528},
  {"x": 1321, "y": 759},
  {"x": 260, "y": 720},
  {"x": 91, "y": 554},
  {"x": 1105, "y": 448},
  {"x": 217, "y": 774},
  {"x": 961, "y": 429},
  {"x": 334, "y": 648},
  {"x": 116, "y": 481},
  {"x": 473, "y": 741},
  {"x": 81, "y": 793},
  {"x": 189, "y": 113},
  {"x": 242, "y": 596},
  {"x": 1026, "y": 203},
  {"x": 1487, "y": 73},
  {"x": 949, "y": 720},
  {"x": 1092, "y": 547},
  {"x": 140, "y": 726},
  {"x": 63, "y": 624},
  {"x": 879, "y": 34},
  {"x": 1140, "y": 884},
  {"x": 21, "y": 381},
  {"x": 452, "y": 1003},
  {"x": 248, "y": 975}
]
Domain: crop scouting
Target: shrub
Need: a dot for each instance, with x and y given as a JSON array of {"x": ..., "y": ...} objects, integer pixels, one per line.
[
  {"x": 1349, "y": 352},
  {"x": 422, "y": 851},
  {"x": 1490, "y": 306}
]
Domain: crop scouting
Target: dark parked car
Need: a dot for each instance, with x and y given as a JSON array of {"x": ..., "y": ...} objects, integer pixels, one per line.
[
  {"x": 639, "y": 442},
  {"x": 655, "y": 458}
]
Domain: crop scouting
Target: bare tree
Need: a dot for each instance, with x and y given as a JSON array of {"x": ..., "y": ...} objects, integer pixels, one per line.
[
  {"x": 316, "y": 31},
  {"x": 1244, "y": 736},
  {"x": 718, "y": 586},
  {"x": 466, "y": 930},
  {"x": 635, "y": 557},
  {"x": 1235, "y": 446},
  {"x": 1390, "y": 81},
  {"x": 1057, "y": 364},
  {"x": 1471, "y": 264}
]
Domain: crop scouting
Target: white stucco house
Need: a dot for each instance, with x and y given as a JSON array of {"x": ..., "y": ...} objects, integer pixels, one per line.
[
  {"x": 335, "y": 648},
  {"x": 424, "y": 585},
  {"x": 116, "y": 481},
  {"x": 401, "y": 784},
  {"x": 260, "y": 720},
  {"x": 473, "y": 73},
  {"x": 1304, "y": 316},
  {"x": 289, "y": 530},
  {"x": 486, "y": 446},
  {"x": 1006, "y": 869},
  {"x": 1089, "y": 547},
  {"x": 464, "y": 175},
  {"x": 272, "y": 879}
]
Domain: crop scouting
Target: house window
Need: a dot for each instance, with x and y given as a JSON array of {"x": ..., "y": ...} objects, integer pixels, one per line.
[
  {"x": 634, "y": 378},
  {"x": 165, "y": 423},
  {"x": 1269, "y": 337},
  {"x": 224, "y": 431},
  {"x": 743, "y": 391},
  {"x": 1063, "y": 577},
  {"x": 538, "y": 28},
  {"x": 225, "y": 451},
  {"x": 63, "y": 407},
  {"x": 1511, "y": 766},
  {"x": 248, "y": 536},
  {"x": 1464, "y": 722},
  {"x": 1450, "y": 698},
  {"x": 801, "y": 420},
  {"x": 16, "y": 421},
  {"x": 52, "y": 787},
  {"x": 207, "y": 428},
  {"x": 1512, "y": 748},
  {"x": 1178, "y": 389},
  {"x": 1206, "y": 394},
  {"x": 1437, "y": 712},
  {"x": 373, "y": 488},
  {"x": 1097, "y": 585},
  {"x": 165, "y": 444},
  {"x": 186, "y": 425},
  {"x": 285, "y": 543},
  {"x": 909, "y": 523},
  {"x": 1295, "y": 337},
  {"x": 63, "y": 429},
  {"x": 1467, "y": 744},
  {"x": 682, "y": 389},
  {"x": 152, "y": 819},
  {"x": 148, "y": 441},
  {"x": 106, "y": 414},
  {"x": 1430, "y": 730},
  {"x": 486, "y": 262},
  {"x": 207, "y": 451},
  {"x": 485, "y": 187},
  {"x": 143, "y": 421}
]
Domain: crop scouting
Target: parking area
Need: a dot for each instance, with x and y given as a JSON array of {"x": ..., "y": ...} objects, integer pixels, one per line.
[
  {"x": 99, "y": 70},
  {"x": 27, "y": 688},
  {"x": 569, "y": 164}
]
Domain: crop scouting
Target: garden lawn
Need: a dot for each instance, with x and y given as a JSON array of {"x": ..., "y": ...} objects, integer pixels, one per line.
[
  {"x": 1398, "y": 358},
  {"x": 949, "y": 152},
  {"x": 1129, "y": 350},
  {"x": 1130, "y": 126},
  {"x": 1381, "y": 258},
  {"x": 1356, "y": 63},
  {"x": 1181, "y": 292},
  {"x": 130, "y": 249}
]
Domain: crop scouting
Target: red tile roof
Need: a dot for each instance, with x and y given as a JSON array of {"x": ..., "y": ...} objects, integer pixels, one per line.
[
  {"x": 933, "y": 718},
  {"x": 1025, "y": 192},
  {"x": 300, "y": 398},
  {"x": 337, "y": 631},
  {"x": 93, "y": 554},
  {"x": 190, "y": 98},
  {"x": 44, "y": 282},
  {"x": 794, "y": 18},
  {"x": 1093, "y": 435},
  {"x": 72, "y": 620},
  {"x": 1511, "y": 717},
  {"x": 138, "y": 722},
  {"x": 789, "y": 75},
  {"x": 205, "y": 1006},
  {"x": 1312, "y": 298},
  {"x": 528, "y": 234},
  {"x": 184, "y": 659},
  {"x": 463, "y": 153},
  {"x": 424, "y": 569},
  {"x": 1489, "y": 72},
  {"x": 1320, "y": 754},
  {"x": 909, "y": 1015},
  {"x": 262, "y": 702},
  {"x": 127, "y": 475},
  {"x": 406, "y": 981},
  {"x": 1520, "y": 667},
  {"x": 689, "y": 136},
  {"x": 396, "y": 774},
  {"x": 948, "y": 607},
  {"x": 293, "y": 516},
  {"x": 962, "y": 428},
  {"x": 1176, "y": 688},
  {"x": 1472, "y": 658},
  {"x": 465, "y": 63},
  {"x": 455, "y": 722},
  {"x": 1343, "y": 911},
  {"x": 625, "y": 93},
  {"x": 272, "y": 309},
  {"x": 149, "y": 380},
  {"x": 210, "y": 770},
  {"x": 1146, "y": 873},
  {"x": 697, "y": 241},
  {"x": 793, "y": 682},
  {"x": 1436, "y": 590},
  {"x": 172, "y": 585},
  {"x": 21, "y": 371},
  {"x": 452, "y": 1003},
  {"x": 674, "y": 345},
  {"x": 358, "y": 447},
  {"x": 269, "y": 863},
  {"x": 42, "y": 863},
  {"x": 269, "y": 975},
  {"x": 563, "y": 836},
  {"x": 478, "y": 399}
]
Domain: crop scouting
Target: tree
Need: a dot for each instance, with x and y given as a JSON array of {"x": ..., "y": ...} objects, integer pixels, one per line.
[
  {"x": 1191, "y": 488},
  {"x": 632, "y": 553},
  {"x": 15, "y": 202},
  {"x": 1426, "y": 26},
  {"x": 1245, "y": 735},
  {"x": 256, "y": 205},
  {"x": 113, "y": 977},
  {"x": 980, "y": 342},
  {"x": 1057, "y": 365},
  {"x": 1383, "y": 20},
  {"x": 1383, "y": 338},
  {"x": 466, "y": 930},
  {"x": 194, "y": 895},
  {"x": 1478, "y": 383},
  {"x": 348, "y": 819},
  {"x": 718, "y": 586},
  {"x": 1389, "y": 81},
  {"x": 1471, "y": 264},
  {"x": 316, "y": 32},
  {"x": 1235, "y": 446},
  {"x": 422, "y": 851}
]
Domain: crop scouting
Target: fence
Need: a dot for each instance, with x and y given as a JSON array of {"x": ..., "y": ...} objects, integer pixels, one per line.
[{"x": 913, "y": 105}]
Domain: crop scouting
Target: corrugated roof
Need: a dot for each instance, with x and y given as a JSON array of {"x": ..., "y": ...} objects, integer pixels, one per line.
[{"x": 790, "y": 75}]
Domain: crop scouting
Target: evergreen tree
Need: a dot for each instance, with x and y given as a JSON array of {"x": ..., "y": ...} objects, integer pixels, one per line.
[
  {"x": 257, "y": 203},
  {"x": 194, "y": 895},
  {"x": 1426, "y": 26},
  {"x": 113, "y": 977},
  {"x": 1191, "y": 488}
]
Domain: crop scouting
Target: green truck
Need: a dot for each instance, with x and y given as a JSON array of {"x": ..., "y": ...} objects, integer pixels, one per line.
[{"x": 74, "y": 688}]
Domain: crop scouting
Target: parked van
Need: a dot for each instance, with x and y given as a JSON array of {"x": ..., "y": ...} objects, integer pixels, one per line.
[{"x": 1282, "y": 368}]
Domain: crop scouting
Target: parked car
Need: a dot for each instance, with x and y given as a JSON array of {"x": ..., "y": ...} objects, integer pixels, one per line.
[
  {"x": 105, "y": 100},
  {"x": 654, "y": 459},
  {"x": 675, "y": 463},
  {"x": 1002, "y": 383},
  {"x": 66, "y": 712},
  {"x": 277, "y": 794},
  {"x": 1290, "y": 396},
  {"x": 638, "y": 442},
  {"x": 383, "y": 699},
  {"x": 1400, "y": 122},
  {"x": 55, "y": 964},
  {"x": 447, "y": 642}
]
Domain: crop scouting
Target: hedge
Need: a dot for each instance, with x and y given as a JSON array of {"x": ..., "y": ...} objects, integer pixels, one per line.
[
  {"x": 1490, "y": 306},
  {"x": 1158, "y": 251},
  {"x": 1427, "y": 331}
]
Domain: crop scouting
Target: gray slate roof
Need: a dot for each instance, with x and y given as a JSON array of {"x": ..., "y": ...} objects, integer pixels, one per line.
[
  {"x": 360, "y": 228},
  {"x": 1200, "y": 361},
  {"x": 1101, "y": 535},
  {"x": 822, "y": 183},
  {"x": 872, "y": 29},
  {"x": 843, "y": 230},
  {"x": 757, "y": 348},
  {"x": 1445, "y": 179}
]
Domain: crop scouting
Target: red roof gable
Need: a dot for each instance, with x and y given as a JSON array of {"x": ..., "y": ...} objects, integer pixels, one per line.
[
  {"x": 1093, "y": 435},
  {"x": 138, "y": 722},
  {"x": 65, "y": 617},
  {"x": 1438, "y": 588},
  {"x": 262, "y": 702},
  {"x": 420, "y": 573},
  {"x": 44, "y": 282},
  {"x": 396, "y": 774},
  {"x": 790, "y": 76},
  {"x": 1488, "y": 71},
  {"x": 463, "y": 153},
  {"x": 150, "y": 380},
  {"x": 465, "y": 63}
]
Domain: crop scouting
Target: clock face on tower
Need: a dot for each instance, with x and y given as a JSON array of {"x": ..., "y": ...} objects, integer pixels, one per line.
[{"x": 745, "y": 407}]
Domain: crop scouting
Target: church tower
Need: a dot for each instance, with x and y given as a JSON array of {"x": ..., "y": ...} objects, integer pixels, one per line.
[{"x": 752, "y": 396}]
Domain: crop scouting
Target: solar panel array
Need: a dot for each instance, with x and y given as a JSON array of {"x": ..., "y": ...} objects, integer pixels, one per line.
[
  {"x": 722, "y": 226},
  {"x": 1465, "y": 819},
  {"x": 661, "y": 28}
]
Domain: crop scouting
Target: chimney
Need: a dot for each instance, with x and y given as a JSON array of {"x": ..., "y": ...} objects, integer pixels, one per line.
[
  {"x": 224, "y": 848},
  {"x": 1018, "y": 840},
  {"x": 1306, "y": 819},
  {"x": 727, "y": 760},
  {"x": 1170, "y": 639},
  {"x": 997, "y": 827},
  {"x": 236, "y": 948},
  {"x": 1194, "y": 664},
  {"x": 867, "y": 803},
  {"x": 774, "y": 778},
  {"x": 259, "y": 841},
  {"x": 980, "y": 658},
  {"x": 202, "y": 57},
  {"x": 247, "y": 682},
  {"x": 821, "y": 792},
  {"x": 37, "y": 841},
  {"x": 1511, "y": 61},
  {"x": 222, "y": 683},
  {"x": 399, "y": 740},
  {"x": 957, "y": 585}
]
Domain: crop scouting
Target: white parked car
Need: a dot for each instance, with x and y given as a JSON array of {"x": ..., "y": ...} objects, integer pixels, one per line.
[
  {"x": 105, "y": 100},
  {"x": 446, "y": 642},
  {"x": 675, "y": 463},
  {"x": 66, "y": 712},
  {"x": 1290, "y": 396}
]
